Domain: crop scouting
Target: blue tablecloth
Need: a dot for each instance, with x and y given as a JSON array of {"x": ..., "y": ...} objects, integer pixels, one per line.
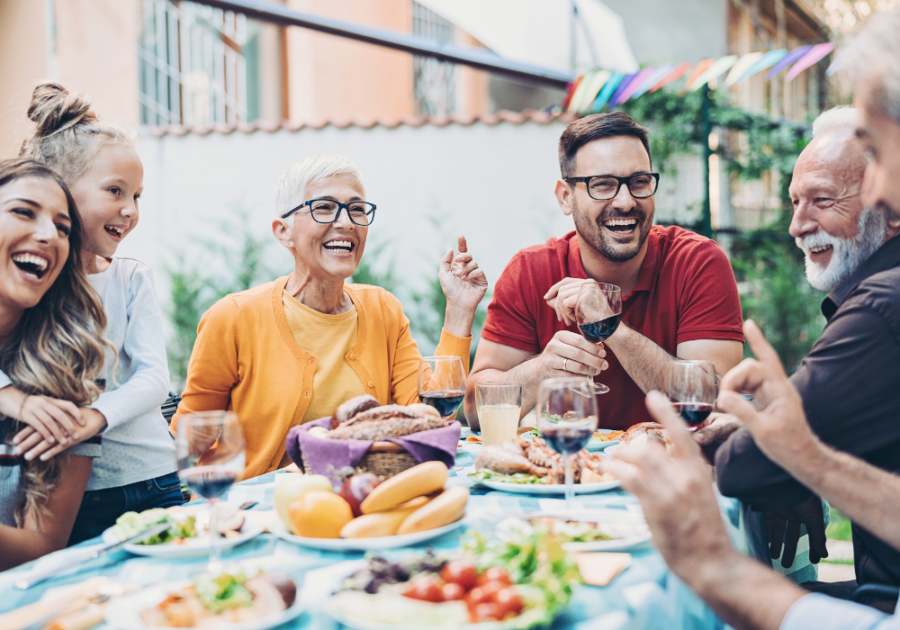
[{"x": 646, "y": 595}]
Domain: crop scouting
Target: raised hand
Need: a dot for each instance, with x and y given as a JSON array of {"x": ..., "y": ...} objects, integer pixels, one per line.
[
  {"x": 464, "y": 286},
  {"x": 562, "y": 297}
]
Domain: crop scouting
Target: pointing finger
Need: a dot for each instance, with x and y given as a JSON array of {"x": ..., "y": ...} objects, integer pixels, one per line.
[{"x": 763, "y": 349}]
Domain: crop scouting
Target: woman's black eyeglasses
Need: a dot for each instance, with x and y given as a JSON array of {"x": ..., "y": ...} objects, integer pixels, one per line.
[
  {"x": 328, "y": 211},
  {"x": 605, "y": 187}
]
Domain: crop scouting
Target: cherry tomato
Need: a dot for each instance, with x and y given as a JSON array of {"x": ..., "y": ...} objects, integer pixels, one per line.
[
  {"x": 460, "y": 572},
  {"x": 426, "y": 588},
  {"x": 477, "y": 596},
  {"x": 485, "y": 612},
  {"x": 494, "y": 574},
  {"x": 491, "y": 589},
  {"x": 508, "y": 601},
  {"x": 452, "y": 591}
]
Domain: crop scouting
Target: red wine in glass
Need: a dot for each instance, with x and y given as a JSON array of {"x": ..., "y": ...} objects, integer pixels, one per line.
[
  {"x": 693, "y": 413},
  {"x": 446, "y": 402},
  {"x": 597, "y": 332},
  {"x": 568, "y": 439},
  {"x": 210, "y": 482}
]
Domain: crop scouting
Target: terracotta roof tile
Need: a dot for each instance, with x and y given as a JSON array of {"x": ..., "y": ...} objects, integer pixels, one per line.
[{"x": 503, "y": 116}]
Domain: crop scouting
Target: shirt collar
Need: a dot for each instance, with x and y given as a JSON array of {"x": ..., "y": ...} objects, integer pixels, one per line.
[
  {"x": 887, "y": 257},
  {"x": 646, "y": 276}
]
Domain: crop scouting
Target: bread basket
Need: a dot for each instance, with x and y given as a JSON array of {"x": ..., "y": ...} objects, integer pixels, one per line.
[{"x": 383, "y": 459}]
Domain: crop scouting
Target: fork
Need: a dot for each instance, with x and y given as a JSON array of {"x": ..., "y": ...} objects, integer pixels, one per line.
[{"x": 104, "y": 593}]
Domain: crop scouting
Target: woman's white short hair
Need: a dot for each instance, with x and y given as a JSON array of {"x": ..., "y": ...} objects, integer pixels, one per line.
[{"x": 291, "y": 188}]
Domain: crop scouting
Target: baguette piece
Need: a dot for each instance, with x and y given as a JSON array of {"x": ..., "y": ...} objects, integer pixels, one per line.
[
  {"x": 380, "y": 524},
  {"x": 411, "y": 483},
  {"x": 447, "y": 508},
  {"x": 383, "y": 429}
]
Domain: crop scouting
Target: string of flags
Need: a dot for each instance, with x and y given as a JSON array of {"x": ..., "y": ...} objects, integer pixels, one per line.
[{"x": 593, "y": 90}]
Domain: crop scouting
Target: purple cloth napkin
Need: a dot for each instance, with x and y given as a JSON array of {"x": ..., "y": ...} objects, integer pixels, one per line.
[{"x": 436, "y": 444}]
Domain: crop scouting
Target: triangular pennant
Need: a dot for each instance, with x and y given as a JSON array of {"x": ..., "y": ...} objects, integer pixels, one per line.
[
  {"x": 607, "y": 91},
  {"x": 739, "y": 68},
  {"x": 590, "y": 92},
  {"x": 768, "y": 60},
  {"x": 814, "y": 56},
  {"x": 652, "y": 79},
  {"x": 632, "y": 88},
  {"x": 570, "y": 92},
  {"x": 679, "y": 71},
  {"x": 579, "y": 91},
  {"x": 622, "y": 87},
  {"x": 714, "y": 71},
  {"x": 702, "y": 67},
  {"x": 789, "y": 58}
]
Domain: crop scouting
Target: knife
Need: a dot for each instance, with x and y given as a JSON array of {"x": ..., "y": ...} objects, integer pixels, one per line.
[{"x": 40, "y": 576}]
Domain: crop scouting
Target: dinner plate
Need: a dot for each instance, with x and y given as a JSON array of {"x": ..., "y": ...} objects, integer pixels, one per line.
[
  {"x": 545, "y": 489},
  {"x": 626, "y": 531},
  {"x": 358, "y": 623},
  {"x": 594, "y": 444},
  {"x": 360, "y": 544},
  {"x": 254, "y": 525},
  {"x": 124, "y": 613}
]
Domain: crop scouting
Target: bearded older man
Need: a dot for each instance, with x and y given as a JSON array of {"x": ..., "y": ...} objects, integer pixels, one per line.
[{"x": 849, "y": 382}]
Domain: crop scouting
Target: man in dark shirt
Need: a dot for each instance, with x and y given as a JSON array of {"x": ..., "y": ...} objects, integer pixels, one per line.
[{"x": 849, "y": 381}]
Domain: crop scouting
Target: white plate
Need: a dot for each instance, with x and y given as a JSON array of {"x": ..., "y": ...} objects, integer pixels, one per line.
[
  {"x": 254, "y": 525},
  {"x": 124, "y": 613},
  {"x": 626, "y": 530},
  {"x": 597, "y": 445},
  {"x": 363, "y": 624},
  {"x": 360, "y": 544},
  {"x": 545, "y": 489},
  {"x": 616, "y": 544}
]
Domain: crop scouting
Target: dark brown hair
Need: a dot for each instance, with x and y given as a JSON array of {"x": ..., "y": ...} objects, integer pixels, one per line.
[
  {"x": 596, "y": 127},
  {"x": 56, "y": 349}
]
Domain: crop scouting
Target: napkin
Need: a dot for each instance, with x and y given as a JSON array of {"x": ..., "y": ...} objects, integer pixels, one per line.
[
  {"x": 599, "y": 569},
  {"x": 436, "y": 444}
]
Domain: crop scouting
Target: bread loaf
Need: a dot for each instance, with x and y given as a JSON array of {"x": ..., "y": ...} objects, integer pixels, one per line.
[
  {"x": 351, "y": 408},
  {"x": 382, "y": 429}
]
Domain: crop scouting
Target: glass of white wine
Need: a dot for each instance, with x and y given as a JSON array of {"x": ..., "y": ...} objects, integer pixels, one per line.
[{"x": 499, "y": 404}]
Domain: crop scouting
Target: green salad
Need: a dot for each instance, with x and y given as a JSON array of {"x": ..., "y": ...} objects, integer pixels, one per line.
[
  {"x": 133, "y": 523},
  {"x": 223, "y": 591},
  {"x": 545, "y": 574},
  {"x": 520, "y": 478}
]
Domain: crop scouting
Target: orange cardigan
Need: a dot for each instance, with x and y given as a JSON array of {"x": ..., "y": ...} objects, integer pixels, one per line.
[{"x": 245, "y": 360}]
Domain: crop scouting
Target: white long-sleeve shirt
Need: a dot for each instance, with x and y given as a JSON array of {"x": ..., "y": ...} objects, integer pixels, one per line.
[
  {"x": 820, "y": 612},
  {"x": 137, "y": 444}
]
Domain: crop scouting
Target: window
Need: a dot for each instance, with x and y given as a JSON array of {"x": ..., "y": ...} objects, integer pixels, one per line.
[
  {"x": 192, "y": 70},
  {"x": 434, "y": 82}
]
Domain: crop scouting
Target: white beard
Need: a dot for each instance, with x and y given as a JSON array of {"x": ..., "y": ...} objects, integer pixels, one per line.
[{"x": 847, "y": 254}]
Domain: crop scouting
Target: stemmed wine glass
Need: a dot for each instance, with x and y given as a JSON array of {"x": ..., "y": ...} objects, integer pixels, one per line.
[
  {"x": 598, "y": 311},
  {"x": 210, "y": 450},
  {"x": 442, "y": 383},
  {"x": 567, "y": 418},
  {"x": 691, "y": 386}
]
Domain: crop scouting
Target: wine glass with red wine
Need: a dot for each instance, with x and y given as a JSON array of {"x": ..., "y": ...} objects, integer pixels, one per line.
[
  {"x": 691, "y": 386},
  {"x": 210, "y": 450},
  {"x": 598, "y": 311},
  {"x": 567, "y": 418},
  {"x": 442, "y": 383}
]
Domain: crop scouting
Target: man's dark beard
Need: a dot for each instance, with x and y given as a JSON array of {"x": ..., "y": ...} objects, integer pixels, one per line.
[{"x": 593, "y": 232}]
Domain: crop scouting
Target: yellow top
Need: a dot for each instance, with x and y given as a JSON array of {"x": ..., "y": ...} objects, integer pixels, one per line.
[
  {"x": 329, "y": 339},
  {"x": 246, "y": 360}
]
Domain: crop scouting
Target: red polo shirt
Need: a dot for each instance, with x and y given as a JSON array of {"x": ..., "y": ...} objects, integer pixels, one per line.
[{"x": 685, "y": 291}]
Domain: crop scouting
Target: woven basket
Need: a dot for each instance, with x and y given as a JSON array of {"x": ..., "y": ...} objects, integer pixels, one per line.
[{"x": 383, "y": 459}]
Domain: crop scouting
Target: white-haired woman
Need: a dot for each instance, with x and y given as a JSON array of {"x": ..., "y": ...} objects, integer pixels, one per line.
[{"x": 292, "y": 350}]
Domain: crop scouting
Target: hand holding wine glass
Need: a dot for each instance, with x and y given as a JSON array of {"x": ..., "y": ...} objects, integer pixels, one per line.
[
  {"x": 442, "y": 383},
  {"x": 210, "y": 450},
  {"x": 567, "y": 418},
  {"x": 691, "y": 386},
  {"x": 598, "y": 311}
]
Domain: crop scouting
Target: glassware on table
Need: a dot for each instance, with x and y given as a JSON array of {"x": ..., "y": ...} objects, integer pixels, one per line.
[
  {"x": 499, "y": 404},
  {"x": 567, "y": 418},
  {"x": 598, "y": 311},
  {"x": 691, "y": 386},
  {"x": 442, "y": 383},
  {"x": 211, "y": 457}
]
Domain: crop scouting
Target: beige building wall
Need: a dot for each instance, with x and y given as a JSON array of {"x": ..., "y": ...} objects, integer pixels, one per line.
[{"x": 88, "y": 45}]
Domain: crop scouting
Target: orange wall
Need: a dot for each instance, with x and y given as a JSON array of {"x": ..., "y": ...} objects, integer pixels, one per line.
[
  {"x": 331, "y": 78},
  {"x": 95, "y": 53}
]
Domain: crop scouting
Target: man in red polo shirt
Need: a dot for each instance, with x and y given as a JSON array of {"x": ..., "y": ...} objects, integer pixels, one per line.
[{"x": 679, "y": 296}]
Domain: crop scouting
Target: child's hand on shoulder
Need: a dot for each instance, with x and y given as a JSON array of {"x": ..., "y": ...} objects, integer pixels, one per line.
[{"x": 32, "y": 444}]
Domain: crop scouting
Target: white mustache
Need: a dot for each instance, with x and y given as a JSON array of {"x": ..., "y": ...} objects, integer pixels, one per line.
[{"x": 818, "y": 239}]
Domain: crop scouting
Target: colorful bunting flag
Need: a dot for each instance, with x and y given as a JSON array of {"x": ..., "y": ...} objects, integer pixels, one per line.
[
  {"x": 742, "y": 65},
  {"x": 591, "y": 90},
  {"x": 652, "y": 79},
  {"x": 578, "y": 93},
  {"x": 681, "y": 70},
  {"x": 614, "y": 99},
  {"x": 607, "y": 91},
  {"x": 768, "y": 60},
  {"x": 816, "y": 54},
  {"x": 633, "y": 86},
  {"x": 702, "y": 67},
  {"x": 790, "y": 58},
  {"x": 714, "y": 71}
]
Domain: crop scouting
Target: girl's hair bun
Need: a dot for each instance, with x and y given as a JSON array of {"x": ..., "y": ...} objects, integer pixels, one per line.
[{"x": 53, "y": 108}]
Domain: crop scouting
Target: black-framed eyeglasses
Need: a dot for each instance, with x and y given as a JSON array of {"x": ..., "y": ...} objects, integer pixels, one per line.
[
  {"x": 604, "y": 187},
  {"x": 328, "y": 211}
]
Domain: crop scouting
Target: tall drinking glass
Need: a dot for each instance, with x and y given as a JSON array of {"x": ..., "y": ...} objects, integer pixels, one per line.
[
  {"x": 567, "y": 418},
  {"x": 210, "y": 450},
  {"x": 598, "y": 311},
  {"x": 442, "y": 383},
  {"x": 499, "y": 404},
  {"x": 691, "y": 386}
]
